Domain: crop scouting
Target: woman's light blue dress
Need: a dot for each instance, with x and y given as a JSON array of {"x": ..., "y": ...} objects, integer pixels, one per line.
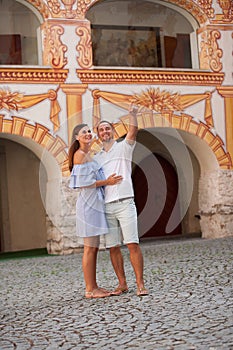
[{"x": 90, "y": 211}]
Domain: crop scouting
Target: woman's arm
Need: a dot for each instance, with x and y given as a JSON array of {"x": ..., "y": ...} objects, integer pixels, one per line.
[
  {"x": 111, "y": 180},
  {"x": 79, "y": 158}
]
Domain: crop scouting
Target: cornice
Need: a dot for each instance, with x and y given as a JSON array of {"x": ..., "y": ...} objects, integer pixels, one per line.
[
  {"x": 33, "y": 75},
  {"x": 226, "y": 91},
  {"x": 215, "y": 26},
  {"x": 110, "y": 76}
]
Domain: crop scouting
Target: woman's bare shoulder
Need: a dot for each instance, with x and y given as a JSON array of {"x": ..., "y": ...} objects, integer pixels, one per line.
[{"x": 79, "y": 157}]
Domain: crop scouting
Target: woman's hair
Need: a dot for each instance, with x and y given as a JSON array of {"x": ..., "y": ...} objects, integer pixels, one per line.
[{"x": 74, "y": 144}]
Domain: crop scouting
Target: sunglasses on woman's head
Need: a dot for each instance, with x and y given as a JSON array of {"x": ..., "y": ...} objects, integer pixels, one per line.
[{"x": 86, "y": 132}]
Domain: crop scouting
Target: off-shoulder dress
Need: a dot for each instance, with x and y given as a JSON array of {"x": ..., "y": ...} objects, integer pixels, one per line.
[{"x": 90, "y": 211}]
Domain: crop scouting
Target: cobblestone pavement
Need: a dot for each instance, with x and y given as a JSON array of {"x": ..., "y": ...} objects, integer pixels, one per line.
[{"x": 190, "y": 304}]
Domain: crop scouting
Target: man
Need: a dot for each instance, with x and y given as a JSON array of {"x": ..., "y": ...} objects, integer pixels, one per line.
[{"x": 116, "y": 157}]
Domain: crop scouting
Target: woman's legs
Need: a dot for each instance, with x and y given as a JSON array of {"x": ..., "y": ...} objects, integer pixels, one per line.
[{"x": 89, "y": 263}]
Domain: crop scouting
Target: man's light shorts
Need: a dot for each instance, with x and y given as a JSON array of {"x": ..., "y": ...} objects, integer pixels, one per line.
[{"x": 122, "y": 221}]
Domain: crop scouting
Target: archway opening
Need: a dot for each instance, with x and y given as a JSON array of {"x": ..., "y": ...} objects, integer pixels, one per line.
[
  {"x": 156, "y": 187},
  {"x": 166, "y": 176},
  {"x": 22, "y": 213}
]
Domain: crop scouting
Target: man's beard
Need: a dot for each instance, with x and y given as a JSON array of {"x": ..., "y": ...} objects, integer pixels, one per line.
[{"x": 108, "y": 139}]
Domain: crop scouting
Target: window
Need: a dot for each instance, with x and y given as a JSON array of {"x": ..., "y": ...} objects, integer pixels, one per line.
[
  {"x": 126, "y": 46},
  {"x": 18, "y": 34},
  {"x": 135, "y": 33}
]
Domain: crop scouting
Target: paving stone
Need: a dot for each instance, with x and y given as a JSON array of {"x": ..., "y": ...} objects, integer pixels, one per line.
[{"x": 190, "y": 306}]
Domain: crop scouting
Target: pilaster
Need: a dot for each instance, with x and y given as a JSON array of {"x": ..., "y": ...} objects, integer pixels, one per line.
[
  {"x": 227, "y": 93},
  {"x": 74, "y": 94}
]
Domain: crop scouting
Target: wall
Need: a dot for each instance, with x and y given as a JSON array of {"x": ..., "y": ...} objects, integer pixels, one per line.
[{"x": 69, "y": 70}]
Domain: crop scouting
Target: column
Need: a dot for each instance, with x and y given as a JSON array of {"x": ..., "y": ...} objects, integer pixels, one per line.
[
  {"x": 227, "y": 93},
  {"x": 74, "y": 94}
]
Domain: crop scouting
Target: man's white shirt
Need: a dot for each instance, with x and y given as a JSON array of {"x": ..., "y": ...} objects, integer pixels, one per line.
[{"x": 117, "y": 160}]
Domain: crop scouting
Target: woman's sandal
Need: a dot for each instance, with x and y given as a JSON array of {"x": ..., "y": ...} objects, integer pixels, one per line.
[
  {"x": 120, "y": 290},
  {"x": 141, "y": 292},
  {"x": 97, "y": 293}
]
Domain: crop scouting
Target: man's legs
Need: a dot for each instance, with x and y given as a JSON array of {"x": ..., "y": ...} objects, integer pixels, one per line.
[
  {"x": 124, "y": 215},
  {"x": 113, "y": 242},
  {"x": 136, "y": 260},
  {"x": 118, "y": 265},
  {"x": 128, "y": 223}
]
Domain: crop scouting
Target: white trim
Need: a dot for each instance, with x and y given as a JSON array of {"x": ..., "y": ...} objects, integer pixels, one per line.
[{"x": 33, "y": 9}]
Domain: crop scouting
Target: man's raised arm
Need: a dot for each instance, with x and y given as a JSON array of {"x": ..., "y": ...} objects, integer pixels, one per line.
[{"x": 133, "y": 124}]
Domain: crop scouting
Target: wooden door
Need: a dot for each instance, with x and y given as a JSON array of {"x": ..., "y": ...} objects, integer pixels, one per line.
[{"x": 156, "y": 187}]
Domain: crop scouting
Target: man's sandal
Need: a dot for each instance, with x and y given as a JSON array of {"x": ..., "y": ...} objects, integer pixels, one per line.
[
  {"x": 120, "y": 290},
  {"x": 97, "y": 293},
  {"x": 141, "y": 292}
]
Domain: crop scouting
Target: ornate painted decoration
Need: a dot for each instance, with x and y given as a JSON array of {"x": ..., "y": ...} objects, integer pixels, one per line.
[
  {"x": 110, "y": 76},
  {"x": 39, "y": 134},
  {"x": 165, "y": 102},
  {"x": 227, "y": 8},
  {"x": 70, "y": 9},
  {"x": 182, "y": 122},
  {"x": 153, "y": 100},
  {"x": 16, "y": 101},
  {"x": 214, "y": 52},
  {"x": 33, "y": 75},
  {"x": 76, "y": 9},
  {"x": 84, "y": 47},
  {"x": 157, "y": 100},
  {"x": 54, "y": 50},
  {"x": 206, "y": 5},
  {"x": 41, "y": 7},
  {"x": 210, "y": 53}
]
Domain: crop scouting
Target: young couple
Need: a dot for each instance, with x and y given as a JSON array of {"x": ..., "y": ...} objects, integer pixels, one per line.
[{"x": 105, "y": 204}]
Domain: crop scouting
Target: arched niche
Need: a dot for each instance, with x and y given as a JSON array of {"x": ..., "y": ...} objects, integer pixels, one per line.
[
  {"x": 131, "y": 33},
  {"x": 19, "y": 28}
]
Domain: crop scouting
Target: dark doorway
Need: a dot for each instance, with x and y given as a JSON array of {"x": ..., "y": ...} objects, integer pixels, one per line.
[{"x": 156, "y": 187}]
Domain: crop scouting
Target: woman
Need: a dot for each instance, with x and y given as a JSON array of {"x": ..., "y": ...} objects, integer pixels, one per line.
[{"x": 87, "y": 175}]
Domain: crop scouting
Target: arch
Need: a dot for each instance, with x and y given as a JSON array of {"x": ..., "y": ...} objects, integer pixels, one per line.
[
  {"x": 22, "y": 211},
  {"x": 18, "y": 45},
  {"x": 188, "y": 8},
  {"x": 39, "y": 135},
  {"x": 34, "y": 8},
  {"x": 53, "y": 159},
  {"x": 158, "y": 45},
  {"x": 185, "y": 122}
]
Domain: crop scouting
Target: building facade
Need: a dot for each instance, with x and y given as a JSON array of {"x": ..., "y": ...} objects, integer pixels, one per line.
[{"x": 63, "y": 62}]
